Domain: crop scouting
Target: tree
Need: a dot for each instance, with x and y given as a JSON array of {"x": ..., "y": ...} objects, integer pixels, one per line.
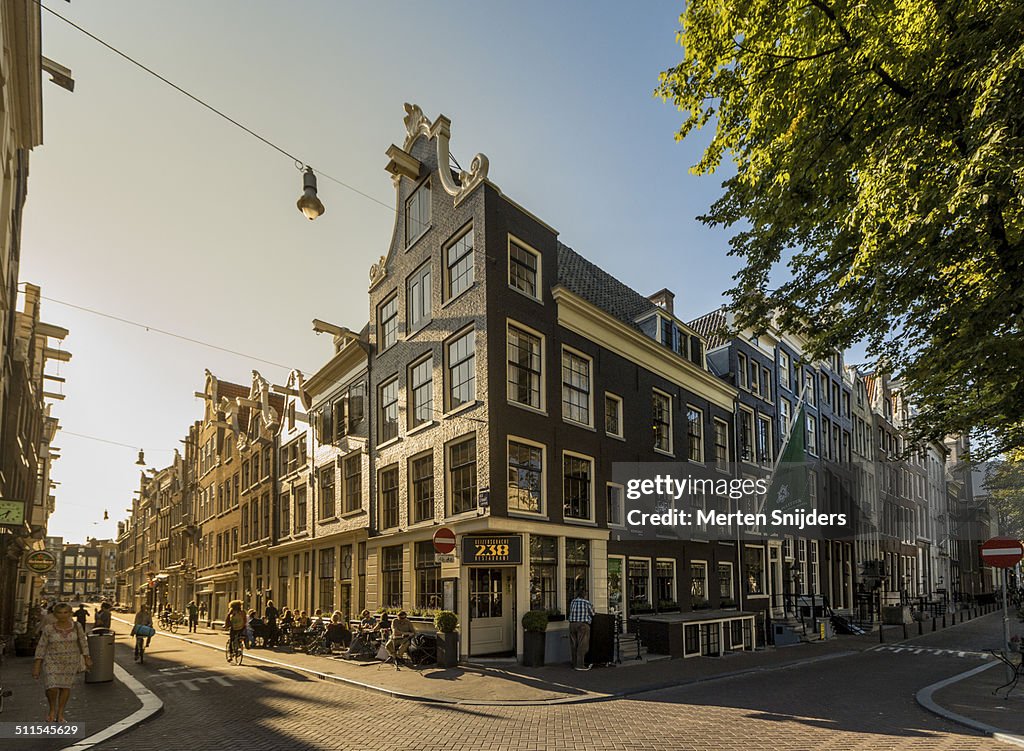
[
  {"x": 879, "y": 153},
  {"x": 1005, "y": 483}
]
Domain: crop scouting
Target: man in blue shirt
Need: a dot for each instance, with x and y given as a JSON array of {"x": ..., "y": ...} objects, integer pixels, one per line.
[{"x": 581, "y": 613}]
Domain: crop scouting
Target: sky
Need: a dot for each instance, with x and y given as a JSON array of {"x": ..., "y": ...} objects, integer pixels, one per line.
[{"x": 145, "y": 206}]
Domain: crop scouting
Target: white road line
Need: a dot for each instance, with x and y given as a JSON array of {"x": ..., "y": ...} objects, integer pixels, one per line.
[{"x": 151, "y": 704}]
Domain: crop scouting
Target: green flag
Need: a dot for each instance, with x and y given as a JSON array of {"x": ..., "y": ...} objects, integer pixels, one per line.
[{"x": 788, "y": 489}]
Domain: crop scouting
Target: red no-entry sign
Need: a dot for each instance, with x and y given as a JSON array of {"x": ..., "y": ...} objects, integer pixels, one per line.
[
  {"x": 444, "y": 540},
  {"x": 1002, "y": 552}
]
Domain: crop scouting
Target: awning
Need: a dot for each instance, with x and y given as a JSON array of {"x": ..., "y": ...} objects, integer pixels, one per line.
[
  {"x": 205, "y": 592},
  {"x": 161, "y": 577}
]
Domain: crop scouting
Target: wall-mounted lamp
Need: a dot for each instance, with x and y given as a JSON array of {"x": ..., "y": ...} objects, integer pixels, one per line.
[
  {"x": 308, "y": 203},
  {"x": 141, "y": 461}
]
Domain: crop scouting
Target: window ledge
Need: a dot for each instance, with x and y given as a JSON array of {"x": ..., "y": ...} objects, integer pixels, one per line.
[
  {"x": 580, "y": 522},
  {"x": 459, "y": 410},
  {"x": 350, "y": 514},
  {"x": 527, "y": 295},
  {"x": 390, "y": 442},
  {"x": 517, "y": 513},
  {"x": 664, "y": 453},
  {"x": 300, "y": 533},
  {"x": 328, "y": 519},
  {"x": 462, "y": 294},
  {"x": 582, "y": 425},
  {"x": 412, "y": 243},
  {"x": 616, "y": 437},
  {"x": 527, "y": 408},
  {"x": 420, "y": 428},
  {"x": 462, "y": 515}
]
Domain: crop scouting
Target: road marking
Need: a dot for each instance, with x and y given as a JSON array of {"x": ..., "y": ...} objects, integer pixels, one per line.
[{"x": 937, "y": 651}]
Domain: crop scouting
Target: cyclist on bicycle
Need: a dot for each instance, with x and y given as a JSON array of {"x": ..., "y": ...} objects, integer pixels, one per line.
[
  {"x": 142, "y": 618},
  {"x": 236, "y": 622}
]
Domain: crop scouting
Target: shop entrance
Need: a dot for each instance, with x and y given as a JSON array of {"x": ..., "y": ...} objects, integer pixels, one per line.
[{"x": 491, "y": 610}]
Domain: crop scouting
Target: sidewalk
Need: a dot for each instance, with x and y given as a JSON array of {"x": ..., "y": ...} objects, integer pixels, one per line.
[
  {"x": 969, "y": 698},
  {"x": 94, "y": 706},
  {"x": 487, "y": 682}
]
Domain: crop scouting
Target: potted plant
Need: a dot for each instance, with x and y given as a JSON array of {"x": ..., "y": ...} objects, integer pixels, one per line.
[
  {"x": 727, "y": 602},
  {"x": 700, "y": 603},
  {"x": 668, "y": 606},
  {"x": 447, "y": 639},
  {"x": 535, "y": 625}
]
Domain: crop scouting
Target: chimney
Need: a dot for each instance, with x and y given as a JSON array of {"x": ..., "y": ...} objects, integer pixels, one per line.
[{"x": 664, "y": 299}]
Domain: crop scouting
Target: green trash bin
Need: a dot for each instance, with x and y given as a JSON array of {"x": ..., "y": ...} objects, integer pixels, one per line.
[{"x": 101, "y": 650}]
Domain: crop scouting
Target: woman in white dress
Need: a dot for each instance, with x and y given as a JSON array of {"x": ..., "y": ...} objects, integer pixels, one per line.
[{"x": 62, "y": 646}]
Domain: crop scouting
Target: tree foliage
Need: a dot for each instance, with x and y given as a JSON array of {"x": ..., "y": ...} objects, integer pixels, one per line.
[
  {"x": 879, "y": 152},
  {"x": 1005, "y": 483}
]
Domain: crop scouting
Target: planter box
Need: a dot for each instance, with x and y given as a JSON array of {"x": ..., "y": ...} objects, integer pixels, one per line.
[
  {"x": 448, "y": 650},
  {"x": 533, "y": 648}
]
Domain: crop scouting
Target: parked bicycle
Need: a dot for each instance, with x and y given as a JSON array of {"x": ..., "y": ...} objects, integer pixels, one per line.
[{"x": 171, "y": 621}]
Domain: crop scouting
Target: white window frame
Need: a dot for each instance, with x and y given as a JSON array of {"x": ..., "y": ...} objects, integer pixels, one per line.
[
  {"x": 724, "y": 465},
  {"x": 621, "y": 521},
  {"x": 785, "y": 416},
  {"x": 426, "y": 292},
  {"x": 411, "y": 393},
  {"x": 618, "y": 408},
  {"x": 416, "y": 194},
  {"x": 526, "y": 247},
  {"x": 785, "y": 376},
  {"x": 593, "y": 481},
  {"x": 511, "y": 323},
  {"x": 732, "y": 580},
  {"x": 391, "y": 298},
  {"x": 671, "y": 448},
  {"x": 380, "y": 410},
  {"x": 812, "y": 433},
  {"x": 448, "y": 408},
  {"x": 675, "y": 578},
  {"x": 543, "y": 476},
  {"x": 741, "y": 371},
  {"x": 769, "y": 457},
  {"x": 752, "y": 459},
  {"x": 590, "y": 386},
  {"x": 704, "y": 563},
  {"x": 700, "y": 442},
  {"x": 446, "y": 270}
]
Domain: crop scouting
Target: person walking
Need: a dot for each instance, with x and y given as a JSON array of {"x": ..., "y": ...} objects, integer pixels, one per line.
[
  {"x": 81, "y": 615},
  {"x": 202, "y": 613},
  {"x": 102, "y": 622},
  {"x": 62, "y": 650},
  {"x": 193, "y": 616},
  {"x": 270, "y": 615},
  {"x": 581, "y": 613}
]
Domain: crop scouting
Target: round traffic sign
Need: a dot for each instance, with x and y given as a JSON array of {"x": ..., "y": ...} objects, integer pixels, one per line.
[
  {"x": 40, "y": 561},
  {"x": 1002, "y": 552},
  {"x": 444, "y": 540}
]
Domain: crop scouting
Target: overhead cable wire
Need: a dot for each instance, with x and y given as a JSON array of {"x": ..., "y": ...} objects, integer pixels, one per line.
[
  {"x": 168, "y": 333},
  {"x": 210, "y": 107}
]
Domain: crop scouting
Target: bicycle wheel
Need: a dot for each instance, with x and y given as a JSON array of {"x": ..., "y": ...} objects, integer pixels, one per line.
[
  {"x": 173, "y": 626},
  {"x": 238, "y": 653}
]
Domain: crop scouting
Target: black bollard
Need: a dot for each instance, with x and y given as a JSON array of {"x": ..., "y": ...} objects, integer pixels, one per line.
[
  {"x": 943, "y": 620},
  {"x": 881, "y": 634},
  {"x": 933, "y": 623},
  {"x": 920, "y": 627},
  {"x": 904, "y": 631}
]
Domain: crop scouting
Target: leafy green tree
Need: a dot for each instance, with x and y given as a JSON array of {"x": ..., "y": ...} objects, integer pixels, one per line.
[
  {"x": 879, "y": 154},
  {"x": 1005, "y": 484}
]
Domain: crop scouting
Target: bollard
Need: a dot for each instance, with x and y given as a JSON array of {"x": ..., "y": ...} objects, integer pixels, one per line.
[
  {"x": 943, "y": 620},
  {"x": 920, "y": 627},
  {"x": 881, "y": 634},
  {"x": 904, "y": 631},
  {"x": 933, "y": 623}
]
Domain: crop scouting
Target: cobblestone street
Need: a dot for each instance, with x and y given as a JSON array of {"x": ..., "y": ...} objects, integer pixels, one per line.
[{"x": 863, "y": 701}]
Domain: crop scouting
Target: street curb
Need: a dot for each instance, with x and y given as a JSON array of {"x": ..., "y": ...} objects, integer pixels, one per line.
[
  {"x": 151, "y": 705},
  {"x": 925, "y": 699},
  {"x": 589, "y": 699}
]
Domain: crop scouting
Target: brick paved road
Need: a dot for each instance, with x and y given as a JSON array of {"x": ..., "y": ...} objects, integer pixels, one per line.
[{"x": 864, "y": 701}]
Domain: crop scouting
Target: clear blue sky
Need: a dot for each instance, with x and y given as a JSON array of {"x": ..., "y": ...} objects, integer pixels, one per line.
[{"x": 147, "y": 207}]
